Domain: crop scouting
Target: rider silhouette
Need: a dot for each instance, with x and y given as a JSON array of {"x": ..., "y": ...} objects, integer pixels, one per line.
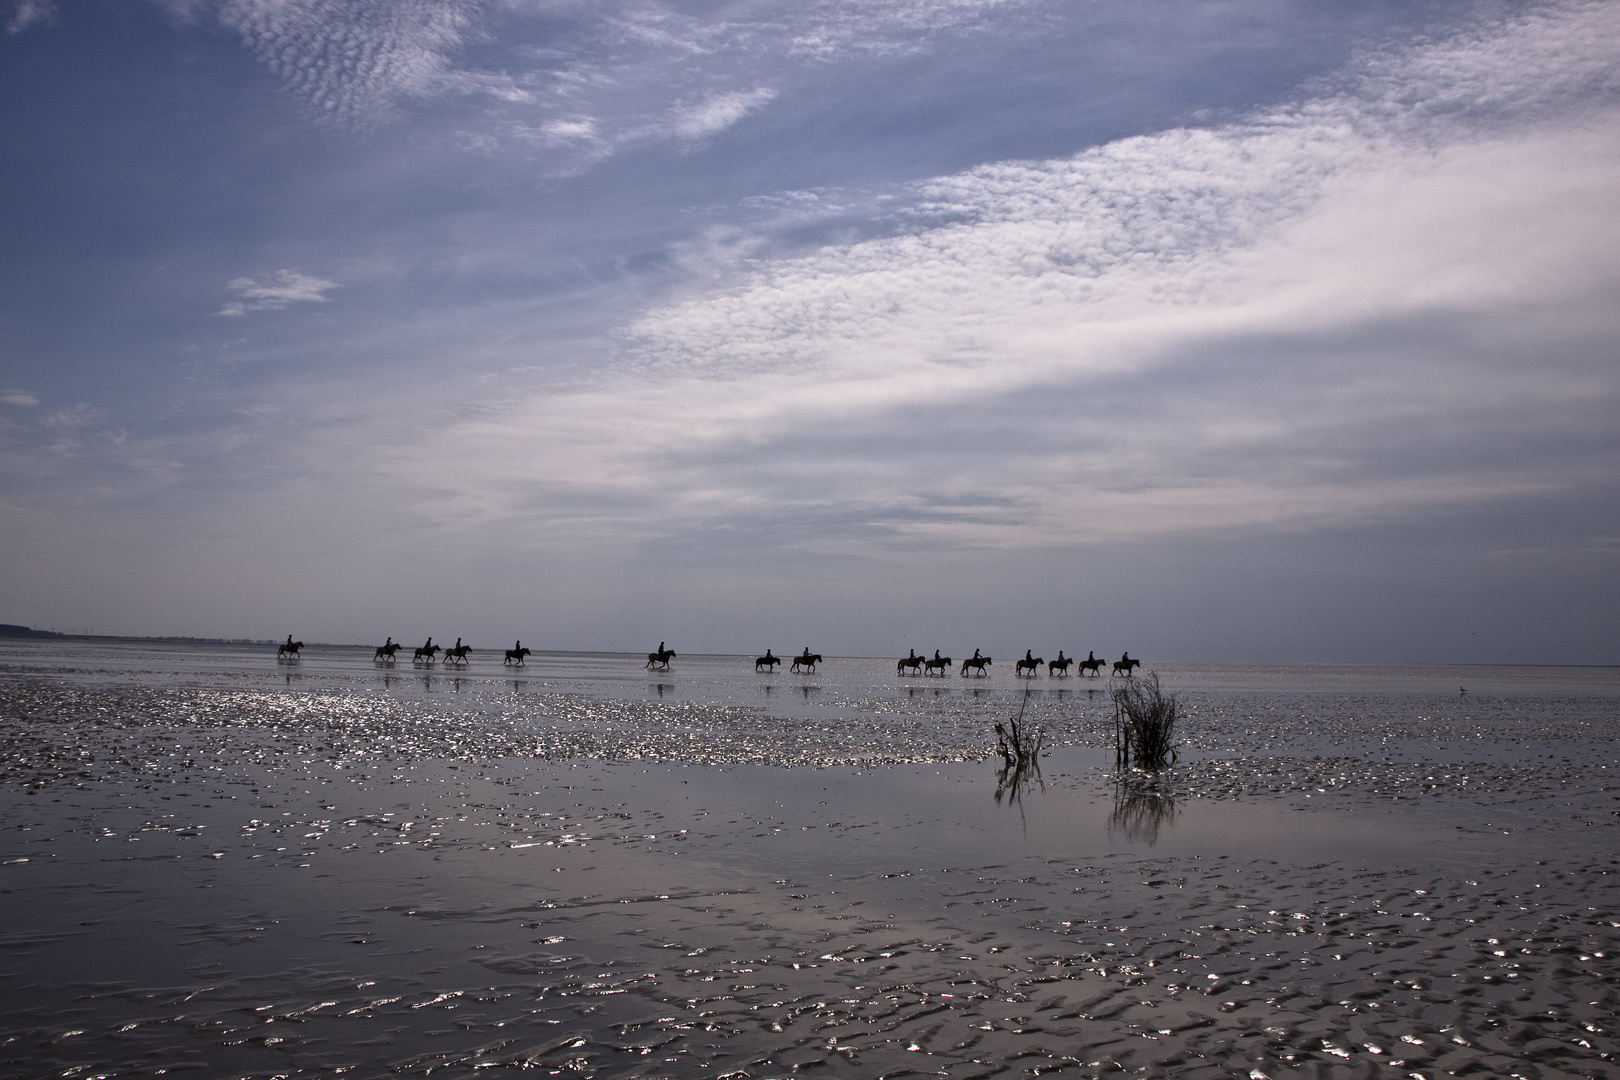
[{"x": 1029, "y": 655}]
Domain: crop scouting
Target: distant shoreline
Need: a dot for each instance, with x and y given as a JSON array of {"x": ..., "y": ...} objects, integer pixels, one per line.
[{"x": 12, "y": 630}]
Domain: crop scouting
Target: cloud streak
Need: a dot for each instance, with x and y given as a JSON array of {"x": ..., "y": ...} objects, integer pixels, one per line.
[
  {"x": 280, "y": 290},
  {"x": 1190, "y": 331}
]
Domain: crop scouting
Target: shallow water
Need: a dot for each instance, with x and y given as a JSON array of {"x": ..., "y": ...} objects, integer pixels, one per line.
[{"x": 217, "y": 862}]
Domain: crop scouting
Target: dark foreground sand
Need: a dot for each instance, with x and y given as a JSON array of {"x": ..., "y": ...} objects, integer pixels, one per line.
[{"x": 186, "y": 894}]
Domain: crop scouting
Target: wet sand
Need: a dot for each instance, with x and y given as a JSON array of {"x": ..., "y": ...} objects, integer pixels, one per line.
[{"x": 239, "y": 882}]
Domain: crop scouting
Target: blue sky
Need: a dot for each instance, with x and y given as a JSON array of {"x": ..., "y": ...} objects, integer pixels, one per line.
[{"x": 1248, "y": 330}]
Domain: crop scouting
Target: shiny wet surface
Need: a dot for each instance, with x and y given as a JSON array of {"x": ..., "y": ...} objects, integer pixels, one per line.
[{"x": 1350, "y": 873}]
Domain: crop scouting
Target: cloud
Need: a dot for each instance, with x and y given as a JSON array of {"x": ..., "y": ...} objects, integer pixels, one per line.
[
  {"x": 26, "y": 13},
  {"x": 718, "y": 112},
  {"x": 75, "y": 416},
  {"x": 352, "y": 61},
  {"x": 19, "y": 397},
  {"x": 576, "y": 81},
  {"x": 1387, "y": 298},
  {"x": 283, "y": 289}
]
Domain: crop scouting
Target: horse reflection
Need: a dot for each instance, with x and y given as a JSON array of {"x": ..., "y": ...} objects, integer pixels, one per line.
[
  {"x": 1142, "y": 807},
  {"x": 662, "y": 687}
]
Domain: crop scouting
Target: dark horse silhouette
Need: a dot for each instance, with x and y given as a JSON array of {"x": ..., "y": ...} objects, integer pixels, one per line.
[
  {"x": 1124, "y": 663},
  {"x": 661, "y": 658},
  {"x": 937, "y": 664},
  {"x": 806, "y": 660},
  {"x": 1091, "y": 665},
  {"x": 457, "y": 653},
  {"x": 387, "y": 649},
  {"x": 914, "y": 662},
  {"x": 977, "y": 663},
  {"x": 515, "y": 654},
  {"x": 289, "y": 648},
  {"x": 1030, "y": 663},
  {"x": 767, "y": 661},
  {"x": 425, "y": 652},
  {"x": 1060, "y": 664}
]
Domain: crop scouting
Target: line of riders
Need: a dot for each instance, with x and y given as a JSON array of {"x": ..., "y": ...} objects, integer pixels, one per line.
[{"x": 1030, "y": 665}]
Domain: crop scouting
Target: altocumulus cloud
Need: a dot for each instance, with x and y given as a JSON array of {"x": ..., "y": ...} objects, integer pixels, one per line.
[
  {"x": 575, "y": 82},
  {"x": 281, "y": 289},
  {"x": 1386, "y": 298}
]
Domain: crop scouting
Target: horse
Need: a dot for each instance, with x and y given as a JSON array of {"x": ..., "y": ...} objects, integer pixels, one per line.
[
  {"x": 425, "y": 654},
  {"x": 914, "y": 662},
  {"x": 940, "y": 664},
  {"x": 289, "y": 648},
  {"x": 1124, "y": 663},
  {"x": 977, "y": 663},
  {"x": 661, "y": 658},
  {"x": 1061, "y": 664},
  {"x": 767, "y": 661},
  {"x": 457, "y": 655},
  {"x": 1031, "y": 664},
  {"x": 387, "y": 650},
  {"x": 1091, "y": 664},
  {"x": 806, "y": 660},
  {"x": 515, "y": 656}
]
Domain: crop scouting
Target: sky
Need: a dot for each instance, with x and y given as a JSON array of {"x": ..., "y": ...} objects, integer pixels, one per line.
[{"x": 1244, "y": 330}]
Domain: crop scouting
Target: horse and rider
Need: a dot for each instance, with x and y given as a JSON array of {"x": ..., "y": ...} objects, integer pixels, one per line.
[
  {"x": 1030, "y": 663},
  {"x": 661, "y": 658},
  {"x": 515, "y": 654},
  {"x": 976, "y": 662},
  {"x": 806, "y": 661}
]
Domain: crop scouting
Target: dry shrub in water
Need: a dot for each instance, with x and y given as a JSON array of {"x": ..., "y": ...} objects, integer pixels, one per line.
[{"x": 1144, "y": 723}]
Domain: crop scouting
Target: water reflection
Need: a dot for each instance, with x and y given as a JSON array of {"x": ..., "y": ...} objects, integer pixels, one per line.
[
  {"x": 1142, "y": 807},
  {"x": 808, "y": 690},
  {"x": 1015, "y": 775},
  {"x": 664, "y": 688}
]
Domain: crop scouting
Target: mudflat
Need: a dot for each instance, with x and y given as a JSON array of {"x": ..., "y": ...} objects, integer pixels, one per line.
[{"x": 220, "y": 864}]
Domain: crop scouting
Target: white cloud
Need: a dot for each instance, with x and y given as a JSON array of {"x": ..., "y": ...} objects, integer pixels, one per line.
[
  {"x": 353, "y": 61},
  {"x": 19, "y": 397},
  {"x": 282, "y": 289},
  {"x": 719, "y": 112},
  {"x": 1330, "y": 313},
  {"x": 26, "y": 13}
]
